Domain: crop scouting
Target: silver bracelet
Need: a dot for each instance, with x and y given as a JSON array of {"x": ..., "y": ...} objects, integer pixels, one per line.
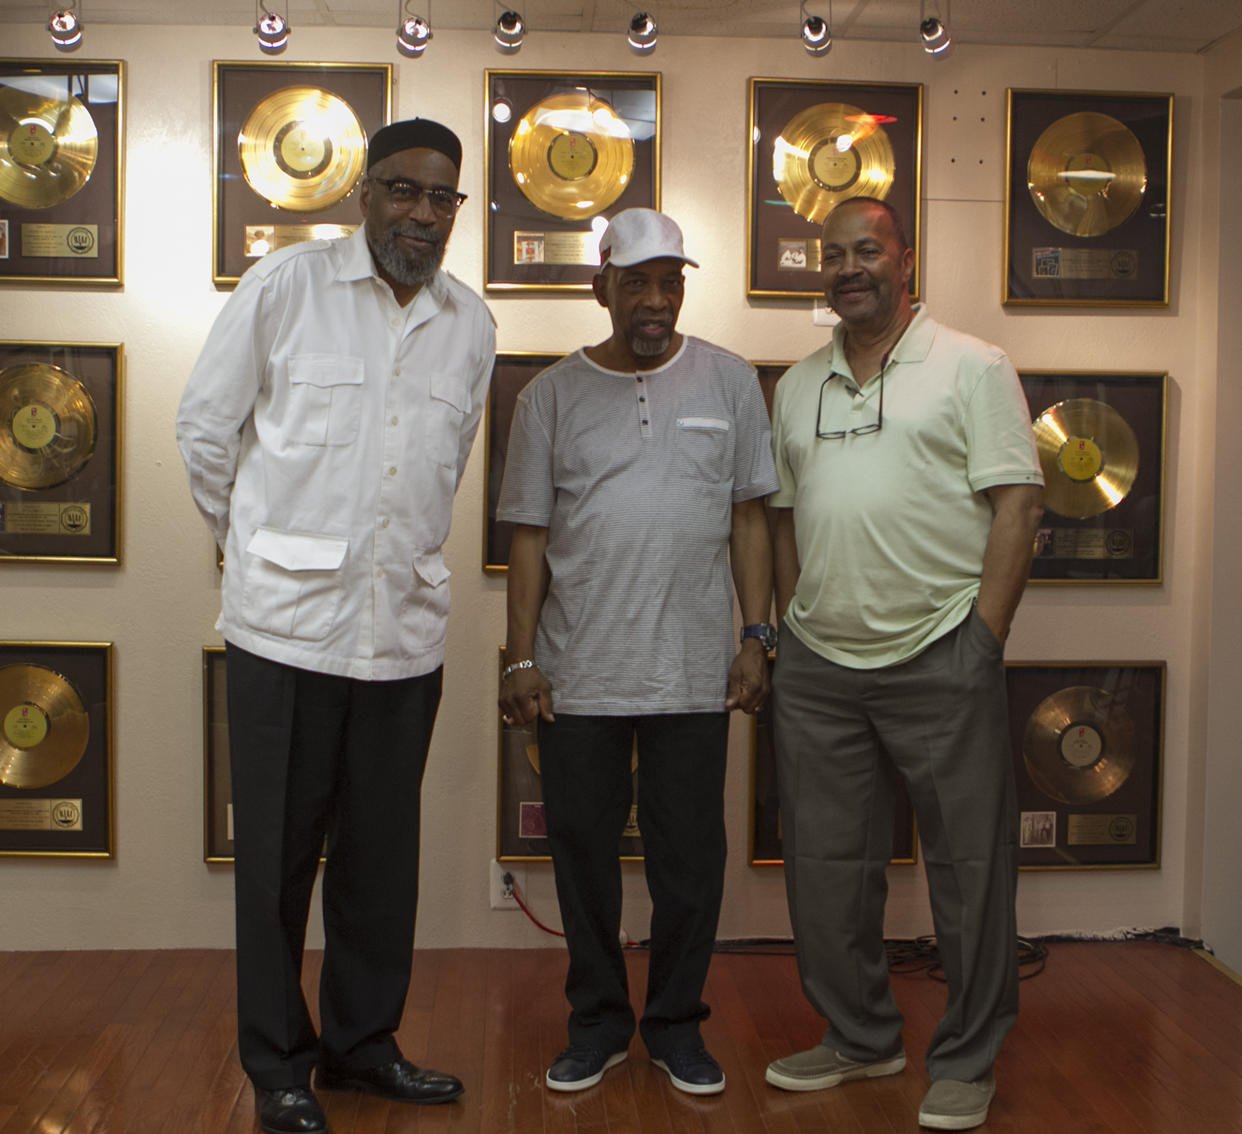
[{"x": 513, "y": 667}]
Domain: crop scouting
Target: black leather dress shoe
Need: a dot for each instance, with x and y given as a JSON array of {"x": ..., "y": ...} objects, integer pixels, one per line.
[
  {"x": 291, "y": 1110},
  {"x": 399, "y": 1080}
]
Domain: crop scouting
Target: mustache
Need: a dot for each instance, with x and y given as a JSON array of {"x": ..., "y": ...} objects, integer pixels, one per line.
[{"x": 416, "y": 231}]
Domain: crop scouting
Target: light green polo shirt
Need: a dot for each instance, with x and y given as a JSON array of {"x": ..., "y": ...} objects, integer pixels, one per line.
[{"x": 891, "y": 526}]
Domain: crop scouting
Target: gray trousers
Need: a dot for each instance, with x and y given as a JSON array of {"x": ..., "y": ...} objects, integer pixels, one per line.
[{"x": 842, "y": 736}]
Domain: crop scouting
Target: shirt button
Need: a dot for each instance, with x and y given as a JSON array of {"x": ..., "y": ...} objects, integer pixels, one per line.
[
  {"x": 379, "y": 574},
  {"x": 384, "y": 522},
  {"x": 394, "y": 419},
  {"x": 392, "y": 471}
]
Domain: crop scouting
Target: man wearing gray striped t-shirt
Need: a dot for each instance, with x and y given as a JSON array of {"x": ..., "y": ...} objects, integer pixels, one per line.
[{"x": 635, "y": 476}]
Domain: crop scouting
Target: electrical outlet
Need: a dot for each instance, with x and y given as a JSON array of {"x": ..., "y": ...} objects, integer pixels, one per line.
[{"x": 502, "y": 895}]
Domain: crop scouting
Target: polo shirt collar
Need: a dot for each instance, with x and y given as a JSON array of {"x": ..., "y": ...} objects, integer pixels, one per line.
[{"x": 914, "y": 345}]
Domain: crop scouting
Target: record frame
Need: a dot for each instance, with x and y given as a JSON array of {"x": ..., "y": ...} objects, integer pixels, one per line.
[
  {"x": 511, "y": 371},
  {"x": 782, "y": 248},
  {"x": 519, "y": 799},
  {"x": 1125, "y": 543},
  {"x": 240, "y": 216},
  {"x": 1121, "y": 830},
  {"x": 1125, "y": 266},
  {"x": 519, "y": 237},
  {"x": 217, "y": 776},
  {"x": 764, "y": 835},
  {"x": 73, "y": 817},
  {"x": 78, "y": 241},
  {"x": 78, "y": 521}
]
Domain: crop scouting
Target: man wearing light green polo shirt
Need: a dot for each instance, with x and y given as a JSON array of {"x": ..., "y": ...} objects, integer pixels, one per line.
[{"x": 910, "y": 494}]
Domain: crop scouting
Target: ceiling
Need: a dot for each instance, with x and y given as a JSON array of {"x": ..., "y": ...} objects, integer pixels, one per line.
[{"x": 1125, "y": 25}]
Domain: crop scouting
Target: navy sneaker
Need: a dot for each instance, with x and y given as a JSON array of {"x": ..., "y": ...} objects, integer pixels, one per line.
[
  {"x": 579, "y": 1067},
  {"x": 692, "y": 1070}
]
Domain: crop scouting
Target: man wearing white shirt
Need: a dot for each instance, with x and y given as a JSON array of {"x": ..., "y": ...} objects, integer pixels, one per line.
[{"x": 324, "y": 429}]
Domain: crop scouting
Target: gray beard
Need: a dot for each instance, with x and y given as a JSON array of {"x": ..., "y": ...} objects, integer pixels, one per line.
[
  {"x": 649, "y": 348},
  {"x": 390, "y": 257}
]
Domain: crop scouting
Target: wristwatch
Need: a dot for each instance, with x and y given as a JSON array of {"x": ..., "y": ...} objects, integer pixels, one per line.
[{"x": 764, "y": 631}]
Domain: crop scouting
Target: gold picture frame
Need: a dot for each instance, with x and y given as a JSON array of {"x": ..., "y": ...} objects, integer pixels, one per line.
[
  {"x": 60, "y": 490},
  {"x": 564, "y": 152},
  {"x": 73, "y": 114},
  {"x": 56, "y": 749},
  {"x": 1103, "y": 509},
  {"x": 1087, "y": 740},
  {"x": 885, "y": 140},
  {"x": 1088, "y": 196},
  {"x": 356, "y": 98}
]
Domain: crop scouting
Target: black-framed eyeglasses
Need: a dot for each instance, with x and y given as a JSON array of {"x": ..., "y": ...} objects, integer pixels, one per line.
[
  {"x": 859, "y": 431},
  {"x": 402, "y": 191}
]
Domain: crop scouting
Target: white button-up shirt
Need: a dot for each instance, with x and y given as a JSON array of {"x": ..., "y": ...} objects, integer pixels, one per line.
[{"x": 325, "y": 429}]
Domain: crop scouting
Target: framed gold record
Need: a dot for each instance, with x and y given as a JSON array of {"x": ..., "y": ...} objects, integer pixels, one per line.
[
  {"x": 290, "y": 153},
  {"x": 60, "y": 452},
  {"x": 56, "y": 749},
  {"x": 565, "y": 151},
  {"x": 1087, "y": 198},
  {"x": 813, "y": 145},
  {"x": 1101, "y": 442},
  {"x": 521, "y": 832},
  {"x": 1087, "y": 741},
  {"x": 62, "y": 144},
  {"x": 511, "y": 372}
]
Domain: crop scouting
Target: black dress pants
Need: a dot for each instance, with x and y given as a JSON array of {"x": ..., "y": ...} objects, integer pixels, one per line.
[
  {"x": 324, "y": 763},
  {"x": 587, "y": 792}
]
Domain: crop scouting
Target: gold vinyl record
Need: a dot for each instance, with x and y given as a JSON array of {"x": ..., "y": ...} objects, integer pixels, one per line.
[
  {"x": 43, "y": 726},
  {"x": 1089, "y": 456},
  {"x": 48, "y": 148},
  {"x": 1087, "y": 173},
  {"x": 47, "y": 425},
  {"x": 829, "y": 153},
  {"x": 302, "y": 148},
  {"x": 571, "y": 155},
  {"x": 1079, "y": 745}
]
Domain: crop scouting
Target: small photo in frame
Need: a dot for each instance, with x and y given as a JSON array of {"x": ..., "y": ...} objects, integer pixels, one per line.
[
  {"x": 765, "y": 810},
  {"x": 56, "y": 749},
  {"x": 565, "y": 152},
  {"x": 1101, "y": 442},
  {"x": 62, "y": 173},
  {"x": 1087, "y": 198},
  {"x": 511, "y": 371},
  {"x": 1087, "y": 741},
  {"x": 814, "y": 144},
  {"x": 61, "y": 406},
  {"x": 521, "y": 832},
  {"x": 290, "y": 152}
]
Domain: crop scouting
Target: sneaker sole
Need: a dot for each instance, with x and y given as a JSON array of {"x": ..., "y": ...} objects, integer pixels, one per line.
[
  {"x": 953, "y": 1121},
  {"x": 589, "y": 1081},
  {"x": 823, "y": 1082},
  {"x": 690, "y": 1088}
]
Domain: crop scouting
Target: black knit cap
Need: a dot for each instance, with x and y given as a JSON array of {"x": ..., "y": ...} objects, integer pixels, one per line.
[{"x": 412, "y": 134}]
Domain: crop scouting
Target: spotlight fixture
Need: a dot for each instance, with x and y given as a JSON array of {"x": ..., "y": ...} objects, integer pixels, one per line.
[
  {"x": 413, "y": 32},
  {"x": 642, "y": 34},
  {"x": 935, "y": 31},
  {"x": 509, "y": 32},
  {"x": 271, "y": 29},
  {"x": 65, "y": 29},
  {"x": 816, "y": 32}
]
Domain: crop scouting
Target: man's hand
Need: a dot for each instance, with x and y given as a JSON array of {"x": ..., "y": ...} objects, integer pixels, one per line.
[
  {"x": 524, "y": 695},
  {"x": 748, "y": 678}
]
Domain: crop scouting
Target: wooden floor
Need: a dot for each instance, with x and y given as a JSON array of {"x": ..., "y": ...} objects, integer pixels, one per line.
[{"x": 1124, "y": 1037}]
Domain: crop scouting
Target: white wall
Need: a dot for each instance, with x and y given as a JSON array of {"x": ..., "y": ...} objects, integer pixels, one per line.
[
  {"x": 1220, "y": 661},
  {"x": 160, "y": 605}
]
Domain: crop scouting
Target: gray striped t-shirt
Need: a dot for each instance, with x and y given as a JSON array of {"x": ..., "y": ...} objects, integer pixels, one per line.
[{"x": 635, "y": 475}]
